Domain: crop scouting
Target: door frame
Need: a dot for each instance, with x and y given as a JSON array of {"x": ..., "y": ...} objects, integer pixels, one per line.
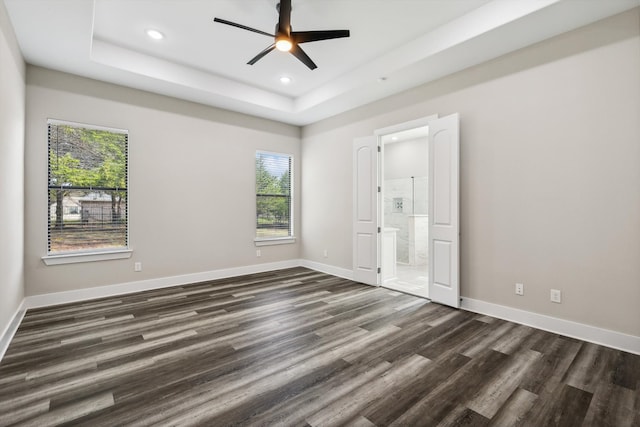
[{"x": 444, "y": 143}]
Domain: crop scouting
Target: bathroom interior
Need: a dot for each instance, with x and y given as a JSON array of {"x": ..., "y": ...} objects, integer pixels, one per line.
[{"x": 405, "y": 221}]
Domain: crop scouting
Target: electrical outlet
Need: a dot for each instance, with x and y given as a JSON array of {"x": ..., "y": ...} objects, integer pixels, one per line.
[
  {"x": 137, "y": 266},
  {"x": 326, "y": 253},
  {"x": 258, "y": 253},
  {"x": 519, "y": 288},
  {"x": 556, "y": 296}
]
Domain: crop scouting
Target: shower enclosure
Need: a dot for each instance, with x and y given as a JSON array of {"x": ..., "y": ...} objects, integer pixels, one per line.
[{"x": 405, "y": 214}]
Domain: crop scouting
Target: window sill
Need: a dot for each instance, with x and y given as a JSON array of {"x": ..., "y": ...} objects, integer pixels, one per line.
[
  {"x": 73, "y": 258},
  {"x": 275, "y": 241}
]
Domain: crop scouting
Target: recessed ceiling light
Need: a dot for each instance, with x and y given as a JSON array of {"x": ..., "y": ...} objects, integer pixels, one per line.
[
  {"x": 394, "y": 138},
  {"x": 285, "y": 80},
  {"x": 155, "y": 34}
]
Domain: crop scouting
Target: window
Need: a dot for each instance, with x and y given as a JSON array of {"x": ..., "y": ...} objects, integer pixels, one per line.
[
  {"x": 87, "y": 188},
  {"x": 274, "y": 207}
]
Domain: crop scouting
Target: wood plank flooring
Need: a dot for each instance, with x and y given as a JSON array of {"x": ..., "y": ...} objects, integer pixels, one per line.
[{"x": 298, "y": 348}]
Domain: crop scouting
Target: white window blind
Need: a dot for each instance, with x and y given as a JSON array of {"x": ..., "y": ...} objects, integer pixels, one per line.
[
  {"x": 87, "y": 191},
  {"x": 274, "y": 206}
]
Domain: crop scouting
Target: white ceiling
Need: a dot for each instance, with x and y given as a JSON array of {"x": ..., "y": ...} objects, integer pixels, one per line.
[{"x": 394, "y": 45}]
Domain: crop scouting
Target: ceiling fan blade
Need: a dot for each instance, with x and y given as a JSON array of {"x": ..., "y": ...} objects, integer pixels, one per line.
[
  {"x": 244, "y": 27},
  {"x": 303, "y": 57},
  {"x": 314, "y": 36},
  {"x": 261, "y": 54}
]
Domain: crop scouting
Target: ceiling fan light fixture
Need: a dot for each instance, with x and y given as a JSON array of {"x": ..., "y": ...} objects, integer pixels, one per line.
[{"x": 283, "y": 44}]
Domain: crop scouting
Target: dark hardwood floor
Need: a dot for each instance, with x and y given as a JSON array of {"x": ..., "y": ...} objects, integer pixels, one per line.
[{"x": 295, "y": 348}]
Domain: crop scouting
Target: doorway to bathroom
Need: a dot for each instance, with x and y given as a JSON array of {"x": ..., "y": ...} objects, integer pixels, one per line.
[
  {"x": 404, "y": 211},
  {"x": 375, "y": 252}
]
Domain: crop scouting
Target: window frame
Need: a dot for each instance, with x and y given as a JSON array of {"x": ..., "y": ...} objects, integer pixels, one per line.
[
  {"x": 93, "y": 254},
  {"x": 291, "y": 238}
]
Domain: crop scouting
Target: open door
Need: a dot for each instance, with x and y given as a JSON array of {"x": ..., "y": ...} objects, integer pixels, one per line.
[
  {"x": 444, "y": 226},
  {"x": 365, "y": 210}
]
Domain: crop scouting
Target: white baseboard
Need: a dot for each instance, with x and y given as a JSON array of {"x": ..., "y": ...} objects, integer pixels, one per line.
[
  {"x": 45, "y": 300},
  {"x": 12, "y": 327},
  {"x": 608, "y": 338},
  {"x": 328, "y": 269},
  {"x": 568, "y": 328}
]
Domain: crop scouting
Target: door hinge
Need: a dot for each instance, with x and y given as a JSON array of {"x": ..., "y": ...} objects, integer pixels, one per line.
[
  {"x": 379, "y": 150},
  {"x": 379, "y": 188},
  {"x": 379, "y": 229},
  {"x": 378, "y": 270}
]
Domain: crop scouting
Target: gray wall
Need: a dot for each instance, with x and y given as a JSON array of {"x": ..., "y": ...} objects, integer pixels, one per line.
[
  {"x": 191, "y": 182},
  {"x": 12, "y": 99},
  {"x": 405, "y": 159},
  {"x": 550, "y": 166}
]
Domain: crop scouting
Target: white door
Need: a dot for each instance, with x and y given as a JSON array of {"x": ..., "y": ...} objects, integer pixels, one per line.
[
  {"x": 444, "y": 227},
  {"x": 365, "y": 210}
]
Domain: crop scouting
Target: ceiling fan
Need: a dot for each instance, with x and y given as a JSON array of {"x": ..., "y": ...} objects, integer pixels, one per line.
[{"x": 286, "y": 40}]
